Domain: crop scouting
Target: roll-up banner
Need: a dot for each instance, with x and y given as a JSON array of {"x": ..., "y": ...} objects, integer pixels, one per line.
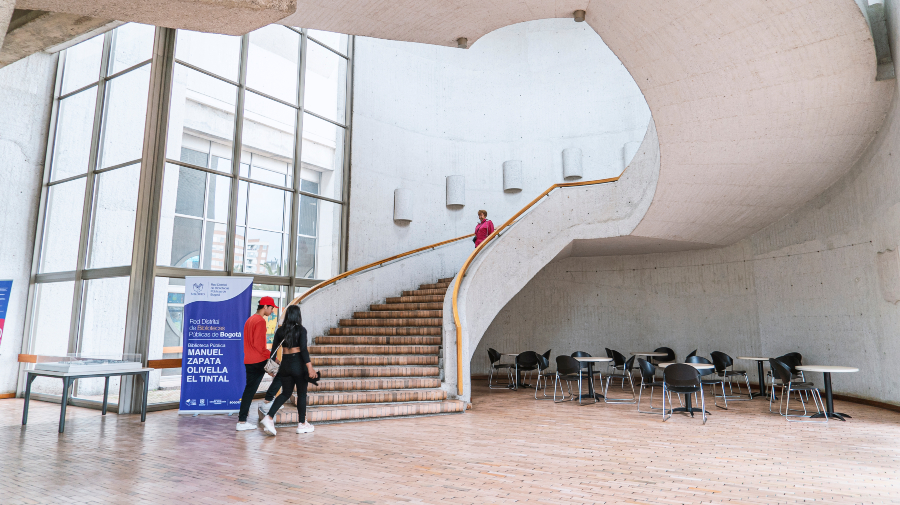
[
  {"x": 212, "y": 363},
  {"x": 5, "y": 288}
]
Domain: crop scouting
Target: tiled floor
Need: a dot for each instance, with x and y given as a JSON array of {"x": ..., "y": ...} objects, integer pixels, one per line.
[{"x": 511, "y": 448}]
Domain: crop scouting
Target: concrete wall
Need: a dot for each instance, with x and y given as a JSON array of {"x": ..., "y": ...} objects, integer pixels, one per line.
[
  {"x": 812, "y": 282},
  {"x": 523, "y": 92},
  {"x": 26, "y": 92}
]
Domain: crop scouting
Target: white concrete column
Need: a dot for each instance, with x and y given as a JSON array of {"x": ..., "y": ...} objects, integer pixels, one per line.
[
  {"x": 572, "y": 164},
  {"x": 512, "y": 176},
  {"x": 456, "y": 191},
  {"x": 403, "y": 206},
  {"x": 6, "y": 11}
]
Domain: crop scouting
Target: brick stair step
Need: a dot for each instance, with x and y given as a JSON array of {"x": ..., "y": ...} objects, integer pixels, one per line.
[
  {"x": 374, "y": 384},
  {"x": 393, "y": 307},
  {"x": 439, "y": 285},
  {"x": 317, "y": 350},
  {"x": 349, "y": 360},
  {"x": 386, "y": 331},
  {"x": 431, "y": 321},
  {"x": 424, "y": 292},
  {"x": 384, "y": 396},
  {"x": 446, "y": 280},
  {"x": 379, "y": 371},
  {"x": 415, "y": 299},
  {"x": 399, "y": 314},
  {"x": 377, "y": 340},
  {"x": 328, "y": 414}
]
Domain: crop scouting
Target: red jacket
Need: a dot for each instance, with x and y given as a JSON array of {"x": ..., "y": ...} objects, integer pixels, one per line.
[
  {"x": 482, "y": 230},
  {"x": 255, "y": 349}
]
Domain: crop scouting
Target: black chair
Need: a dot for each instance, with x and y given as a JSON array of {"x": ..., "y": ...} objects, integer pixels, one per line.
[
  {"x": 569, "y": 369},
  {"x": 648, "y": 380},
  {"x": 668, "y": 358},
  {"x": 791, "y": 360},
  {"x": 722, "y": 363},
  {"x": 543, "y": 373},
  {"x": 494, "y": 356},
  {"x": 609, "y": 355},
  {"x": 711, "y": 378},
  {"x": 627, "y": 366},
  {"x": 680, "y": 378},
  {"x": 527, "y": 361},
  {"x": 783, "y": 373},
  {"x": 693, "y": 353}
]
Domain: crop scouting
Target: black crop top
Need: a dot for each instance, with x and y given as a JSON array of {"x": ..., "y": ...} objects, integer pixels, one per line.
[{"x": 279, "y": 338}]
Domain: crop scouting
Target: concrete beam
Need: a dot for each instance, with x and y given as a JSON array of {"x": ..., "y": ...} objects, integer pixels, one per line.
[
  {"x": 32, "y": 31},
  {"x": 6, "y": 11},
  {"x": 230, "y": 17}
]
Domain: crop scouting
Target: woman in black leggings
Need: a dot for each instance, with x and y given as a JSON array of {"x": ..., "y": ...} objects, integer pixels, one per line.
[{"x": 295, "y": 370}]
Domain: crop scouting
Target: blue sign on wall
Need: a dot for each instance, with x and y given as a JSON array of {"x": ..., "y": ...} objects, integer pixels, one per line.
[
  {"x": 5, "y": 289},
  {"x": 212, "y": 363}
]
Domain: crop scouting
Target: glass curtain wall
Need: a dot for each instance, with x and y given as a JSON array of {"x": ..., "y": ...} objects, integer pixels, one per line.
[
  {"x": 253, "y": 182},
  {"x": 255, "y": 170},
  {"x": 91, "y": 189}
]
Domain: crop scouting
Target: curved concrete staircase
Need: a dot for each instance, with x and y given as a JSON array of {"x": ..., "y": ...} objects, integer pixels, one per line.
[{"x": 382, "y": 363}]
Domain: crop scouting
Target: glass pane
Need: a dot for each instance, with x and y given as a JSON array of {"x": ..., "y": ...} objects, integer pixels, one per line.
[
  {"x": 214, "y": 246},
  {"x": 103, "y": 330},
  {"x": 319, "y": 239},
  {"x": 272, "y": 66},
  {"x": 269, "y": 208},
  {"x": 239, "y": 234},
  {"x": 265, "y": 252},
  {"x": 201, "y": 105},
  {"x": 52, "y": 317},
  {"x": 74, "y": 127},
  {"x": 192, "y": 202},
  {"x": 323, "y": 156},
  {"x": 269, "y": 129},
  {"x": 337, "y": 41},
  {"x": 215, "y": 53},
  {"x": 62, "y": 226},
  {"x": 165, "y": 338},
  {"x": 326, "y": 83},
  {"x": 82, "y": 64},
  {"x": 131, "y": 44},
  {"x": 114, "y": 214},
  {"x": 279, "y": 294},
  {"x": 126, "y": 110}
]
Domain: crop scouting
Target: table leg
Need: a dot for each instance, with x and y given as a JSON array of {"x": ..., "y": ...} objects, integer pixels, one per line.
[
  {"x": 762, "y": 379},
  {"x": 146, "y": 376},
  {"x": 105, "y": 396},
  {"x": 591, "y": 393},
  {"x": 65, "y": 401},
  {"x": 687, "y": 406},
  {"x": 829, "y": 402},
  {"x": 28, "y": 380}
]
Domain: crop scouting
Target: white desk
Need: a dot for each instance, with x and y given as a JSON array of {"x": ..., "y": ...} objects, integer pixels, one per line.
[{"x": 827, "y": 370}]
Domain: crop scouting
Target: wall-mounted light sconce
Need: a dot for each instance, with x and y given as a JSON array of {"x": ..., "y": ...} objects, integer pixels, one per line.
[
  {"x": 572, "y": 164},
  {"x": 456, "y": 191},
  {"x": 512, "y": 176},
  {"x": 579, "y": 16},
  {"x": 403, "y": 206},
  {"x": 462, "y": 43}
]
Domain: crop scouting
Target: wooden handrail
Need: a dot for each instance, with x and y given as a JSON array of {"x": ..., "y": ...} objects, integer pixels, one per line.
[
  {"x": 492, "y": 236},
  {"x": 372, "y": 265}
]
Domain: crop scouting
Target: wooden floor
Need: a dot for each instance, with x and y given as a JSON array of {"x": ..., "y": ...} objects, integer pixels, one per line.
[{"x": 510, "y": 448}]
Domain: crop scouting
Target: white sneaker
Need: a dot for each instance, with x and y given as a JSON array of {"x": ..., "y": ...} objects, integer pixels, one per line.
[
  {"x": 268, "y": 425},
  {"x": 305, "y": 428},
  {"x": 245, "y": 426}
]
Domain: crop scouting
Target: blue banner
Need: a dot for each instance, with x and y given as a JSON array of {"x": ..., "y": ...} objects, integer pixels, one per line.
[
  {"x": 212, "y": 363},
  {"x": 5, "y": 289}
]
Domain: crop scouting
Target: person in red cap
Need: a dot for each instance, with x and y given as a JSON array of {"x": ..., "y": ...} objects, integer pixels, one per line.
[{"x": 255, "y": 356}]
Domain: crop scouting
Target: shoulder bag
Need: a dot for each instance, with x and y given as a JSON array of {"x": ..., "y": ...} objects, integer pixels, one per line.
[{"x": 272, "y": 366}]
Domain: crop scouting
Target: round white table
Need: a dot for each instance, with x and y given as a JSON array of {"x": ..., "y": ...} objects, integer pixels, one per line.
[
  {"x": 762, "y": 374},
  {"x": 827, "y": 370},
  {"x": 650, "y": 354},
  {"x": 590, "y": 362},
  {"x": 687, "y": 397},
  {"x": 698, "y": 366}
]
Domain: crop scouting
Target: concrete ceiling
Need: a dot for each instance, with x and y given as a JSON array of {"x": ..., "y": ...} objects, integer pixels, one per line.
[{"x": 760, "y": 105}]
